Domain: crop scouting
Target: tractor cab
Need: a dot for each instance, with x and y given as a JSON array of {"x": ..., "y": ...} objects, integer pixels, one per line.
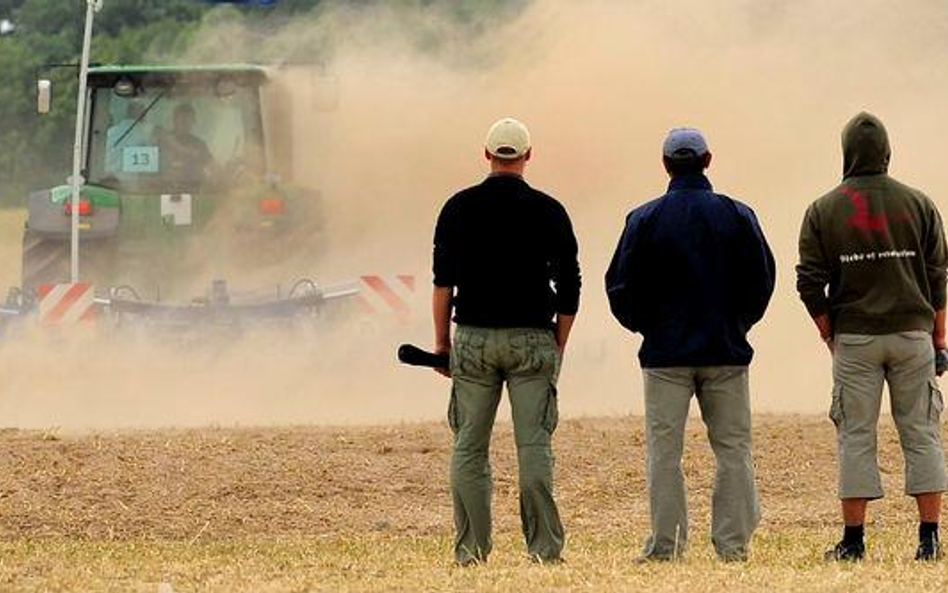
[
  {"x": 176, "y": 185},
  {"x": 167, "y": 129}
]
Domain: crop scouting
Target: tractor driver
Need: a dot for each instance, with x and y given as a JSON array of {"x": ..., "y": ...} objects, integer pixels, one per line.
[{"x": 185, "y": 157}]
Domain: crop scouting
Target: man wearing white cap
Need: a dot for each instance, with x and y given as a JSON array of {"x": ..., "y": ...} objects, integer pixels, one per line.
[
  {"x": 692, "y": 273},
  {"x": 505, "y": 261}
]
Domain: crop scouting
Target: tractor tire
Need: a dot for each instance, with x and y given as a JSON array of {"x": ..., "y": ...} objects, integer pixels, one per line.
[{"x": 45, "y": 261}]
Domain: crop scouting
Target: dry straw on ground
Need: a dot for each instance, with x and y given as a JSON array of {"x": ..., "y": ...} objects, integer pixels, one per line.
[{"x": 305, "y": 509}]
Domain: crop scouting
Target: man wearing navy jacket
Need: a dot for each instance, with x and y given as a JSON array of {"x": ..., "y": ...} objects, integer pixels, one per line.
[{"x": 692, "y": 273}]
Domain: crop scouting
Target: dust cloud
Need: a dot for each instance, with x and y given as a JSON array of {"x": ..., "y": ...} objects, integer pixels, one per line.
[{"x": 599, "y": 83}]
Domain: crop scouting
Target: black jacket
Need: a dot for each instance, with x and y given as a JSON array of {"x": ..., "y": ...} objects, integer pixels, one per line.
[{"x": 510, "y": 252}]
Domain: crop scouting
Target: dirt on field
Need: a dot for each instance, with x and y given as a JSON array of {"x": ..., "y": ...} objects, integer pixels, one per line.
[{"x": 224, "y": 484}]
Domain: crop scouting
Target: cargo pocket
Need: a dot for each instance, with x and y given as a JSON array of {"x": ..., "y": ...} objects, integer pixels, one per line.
[
  {"x": 453, "y": 420},
  {"x": 467, "y": 354},
  {"x": 936, "y": 403},
  {"x": 836, "y": 406},
  {"x": 551, "y": 416}
]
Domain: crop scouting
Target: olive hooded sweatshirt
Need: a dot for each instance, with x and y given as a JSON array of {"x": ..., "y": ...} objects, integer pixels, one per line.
[{"x": 872, "y": 251}]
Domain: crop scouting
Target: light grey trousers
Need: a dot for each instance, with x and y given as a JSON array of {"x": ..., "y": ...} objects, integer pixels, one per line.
[
  {"x": 724, "y": 399},
  {"x": 861, "y": 363}
]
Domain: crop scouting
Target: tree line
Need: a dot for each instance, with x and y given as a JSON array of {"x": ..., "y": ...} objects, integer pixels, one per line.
[{"x": 45, "y": 42}]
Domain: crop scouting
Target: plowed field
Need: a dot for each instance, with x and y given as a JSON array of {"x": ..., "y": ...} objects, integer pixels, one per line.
[{"x": 300, "y": 509}]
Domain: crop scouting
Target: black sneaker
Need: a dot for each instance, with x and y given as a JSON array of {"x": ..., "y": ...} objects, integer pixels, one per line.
[
  {"x": 928, "y": 550},
  {"x": 846, "y": 552}
]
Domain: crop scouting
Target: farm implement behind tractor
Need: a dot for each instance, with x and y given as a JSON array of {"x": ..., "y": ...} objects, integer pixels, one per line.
[{"x": 302, "y": 304}]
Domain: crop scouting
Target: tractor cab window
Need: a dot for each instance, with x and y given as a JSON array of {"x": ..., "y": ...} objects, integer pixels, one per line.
[{"x": 172, "y": 138}]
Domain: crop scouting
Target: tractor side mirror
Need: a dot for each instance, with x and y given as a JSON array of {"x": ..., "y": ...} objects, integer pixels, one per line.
[{"x": 44, "y": 96}]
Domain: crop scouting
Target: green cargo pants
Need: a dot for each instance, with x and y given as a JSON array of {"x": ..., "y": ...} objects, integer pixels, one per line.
[{"x": 482, "y": 359}]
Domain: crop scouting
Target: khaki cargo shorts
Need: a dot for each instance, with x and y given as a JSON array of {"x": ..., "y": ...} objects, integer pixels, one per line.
[{"x": 905, "y": 362}]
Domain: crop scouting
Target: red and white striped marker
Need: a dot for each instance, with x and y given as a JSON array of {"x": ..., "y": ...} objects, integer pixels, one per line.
[
  {"x": 65, "y": 304},
  {"x": 387, "y": 294}
]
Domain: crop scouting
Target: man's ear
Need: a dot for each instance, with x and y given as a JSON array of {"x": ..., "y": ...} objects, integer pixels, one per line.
[
  {"x": 667, "y": 164},
  {"x": 529, "y": 153},
  {"x": 487, "y": 154},
  {"x": 707, "y": 160}
]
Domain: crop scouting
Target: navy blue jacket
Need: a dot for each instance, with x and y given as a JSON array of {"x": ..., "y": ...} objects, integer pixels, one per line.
[{"x": 692, "y": 274}]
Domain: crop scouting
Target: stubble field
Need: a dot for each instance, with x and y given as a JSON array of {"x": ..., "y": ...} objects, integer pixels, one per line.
[{"x": 367, "y": 509}]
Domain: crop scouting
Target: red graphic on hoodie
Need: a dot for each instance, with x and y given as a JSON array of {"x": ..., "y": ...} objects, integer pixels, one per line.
[{"x": 862, "y": 219}]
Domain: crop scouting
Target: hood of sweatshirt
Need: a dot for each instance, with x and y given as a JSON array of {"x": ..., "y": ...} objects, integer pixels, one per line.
[{"x": 865, "y": 146}]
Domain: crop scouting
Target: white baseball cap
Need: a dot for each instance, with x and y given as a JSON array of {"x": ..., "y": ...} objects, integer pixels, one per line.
[
  {"x": 508, "y": 139},
  {"x": 681, "y": 141}
]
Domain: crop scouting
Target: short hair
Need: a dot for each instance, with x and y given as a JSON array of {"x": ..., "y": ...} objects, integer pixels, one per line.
[{"x": 685, "y": 164}]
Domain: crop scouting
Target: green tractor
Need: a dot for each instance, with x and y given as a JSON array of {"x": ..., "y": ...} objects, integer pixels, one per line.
[{"x": 183, "y": 184}]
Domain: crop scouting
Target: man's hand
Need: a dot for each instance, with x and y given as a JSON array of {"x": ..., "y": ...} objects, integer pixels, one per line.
[
  {"x": 564, "y": 323},
  {"x": 939, "y": 342},
  {"x": 442, "y": 349},
  {"x": 441, "y": 315},
  {"x": 825, "y": 327},
  {"x": 938, "y": 334},
  {"x": 941, "y": 361}
]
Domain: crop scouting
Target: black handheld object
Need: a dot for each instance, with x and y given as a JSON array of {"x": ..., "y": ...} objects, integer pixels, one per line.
[
  {"x": 415, "y": 356},
  {"x": 941, "y": 362}
]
